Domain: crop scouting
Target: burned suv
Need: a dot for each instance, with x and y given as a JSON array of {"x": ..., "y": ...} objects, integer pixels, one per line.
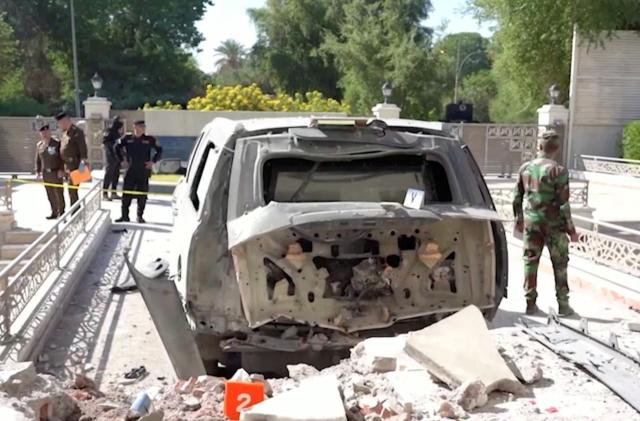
[{"x": 297, "y": 237}]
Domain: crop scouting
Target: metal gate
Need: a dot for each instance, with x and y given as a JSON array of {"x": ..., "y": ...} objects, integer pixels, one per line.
[{"x": 499, "y": 149}]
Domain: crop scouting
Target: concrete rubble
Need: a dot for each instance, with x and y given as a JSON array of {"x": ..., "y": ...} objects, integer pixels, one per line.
[
  {"x": 443, "y": 348},
  {"x": 379, "y": 382}
]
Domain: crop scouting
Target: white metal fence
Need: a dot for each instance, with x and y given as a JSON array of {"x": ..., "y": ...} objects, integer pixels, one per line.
[
  {"x": 613, "y": 249},
  {"x": 42, "y": 257},
  {"x": 607, "y": 165}
]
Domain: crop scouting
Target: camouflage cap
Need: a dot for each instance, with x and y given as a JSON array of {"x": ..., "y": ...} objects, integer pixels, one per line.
[{"x": 549, "y": 138}]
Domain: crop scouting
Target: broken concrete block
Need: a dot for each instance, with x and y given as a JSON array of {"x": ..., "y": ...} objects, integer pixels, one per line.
[
  {"x": 471, "y": 394},
  {"x": 527, "y": 371},
  {"x": 361, "y": 387},
  {"x": 241, "y": 376},
  {"x": 83, "y": 382},
  {"x": 392, "y": 347},
  {"x": 186, "y": 386},
  {"x": 370, "y": 404},
  {"x": 633, "y": 326},
  {"x": 451, "y": 411},
  {"x": 8, "y": 413},
  {"x": 317, "y": 399},
  {"x": 259, "y": 378},
  {"x": 301, "y": 371},
  {"x": 17, "y": 375},
  {"x": 190, "y": 403},
  {"x": 154, "y": 416},
  {"x": 458, "y": 349},
  {"x": 109, "y": 406},
  {"x": 383, "y": 364}
]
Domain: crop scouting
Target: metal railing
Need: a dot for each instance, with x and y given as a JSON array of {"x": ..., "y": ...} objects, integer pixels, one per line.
[
  {"x": 42, "y": 257},
  {"x": 607, "y": 249},
  {"x": 603, "y": 164},
  {"x": 579, "y": 194}
]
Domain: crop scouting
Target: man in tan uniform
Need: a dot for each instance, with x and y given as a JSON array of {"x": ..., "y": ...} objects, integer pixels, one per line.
[
  {"x": 73, "y": 149},
  {"x": 50, "y": 169}
]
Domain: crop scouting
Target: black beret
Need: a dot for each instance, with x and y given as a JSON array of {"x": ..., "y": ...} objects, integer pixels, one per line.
[
  {"x": 44, "y": 127},
  {"x": 138, "y": 122},
  {"x": 60, "y": 116}
]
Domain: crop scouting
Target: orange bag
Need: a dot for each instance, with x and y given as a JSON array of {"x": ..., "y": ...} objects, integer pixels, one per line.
[{"x": 78, "y": 177}]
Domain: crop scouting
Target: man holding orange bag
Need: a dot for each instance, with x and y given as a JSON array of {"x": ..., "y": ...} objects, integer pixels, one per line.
[{"x": 73, "y": 149}]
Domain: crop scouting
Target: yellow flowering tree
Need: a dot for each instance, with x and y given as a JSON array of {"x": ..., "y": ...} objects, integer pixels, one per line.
[
  {"x": 159, "y": 105},
  {"x": 251, "y": 98}
]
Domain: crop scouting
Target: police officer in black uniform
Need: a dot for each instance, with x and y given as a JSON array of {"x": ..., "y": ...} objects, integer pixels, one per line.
[{"x": 136, "y": 149}]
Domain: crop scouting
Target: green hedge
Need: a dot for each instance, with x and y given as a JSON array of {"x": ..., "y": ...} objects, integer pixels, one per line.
[{"x": 631, "y": 141}]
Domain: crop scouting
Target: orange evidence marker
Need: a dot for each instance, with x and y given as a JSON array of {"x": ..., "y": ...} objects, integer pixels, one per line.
[{"x": 239, "y": 396}]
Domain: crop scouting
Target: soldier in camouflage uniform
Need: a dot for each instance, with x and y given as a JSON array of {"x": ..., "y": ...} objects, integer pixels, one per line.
[{"x": 543, "y": 188}]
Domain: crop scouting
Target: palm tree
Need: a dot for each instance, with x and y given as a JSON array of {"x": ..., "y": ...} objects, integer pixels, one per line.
[{"x": 231, "y": 55}]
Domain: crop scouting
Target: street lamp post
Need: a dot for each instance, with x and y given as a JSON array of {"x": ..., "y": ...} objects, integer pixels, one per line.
[
  {"x": 554, "y": 93},
  {"x": 387, "y": 89},
  {"x": 75, "y": 58},
  {"x": 459, "y": 66},
  {"x": 96, "y": 82}
]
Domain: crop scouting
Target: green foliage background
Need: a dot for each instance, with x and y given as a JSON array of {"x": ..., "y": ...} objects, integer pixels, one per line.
[
  {"x": 342, "y": 49},
  {"x": 631, "y": 141}
]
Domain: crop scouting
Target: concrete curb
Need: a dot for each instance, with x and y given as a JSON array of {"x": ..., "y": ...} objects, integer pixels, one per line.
[
  {"x": 50, "y": 310},
  {"x": 605, "y": 282}
]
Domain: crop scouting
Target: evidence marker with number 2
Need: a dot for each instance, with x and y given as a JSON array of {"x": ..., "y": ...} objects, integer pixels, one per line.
[{"x": 239, "y": 396}]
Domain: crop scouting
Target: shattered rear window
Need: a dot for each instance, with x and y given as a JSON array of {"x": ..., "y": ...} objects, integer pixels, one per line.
[{"x": 382, "y": 179}]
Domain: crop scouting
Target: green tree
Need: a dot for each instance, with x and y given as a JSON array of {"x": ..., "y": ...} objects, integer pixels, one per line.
[
  {"x": 8, "y": 49},
  {"x": 533, "y": 44},
  {"x": 479, "y": 89},
  {"x": 465, "y": 51},
  {"x": 385, "y": 40},
  {"x": 140, "y": 49},
  {"x": 290, "y": 39},
  {"x": 231, "y": 55}
]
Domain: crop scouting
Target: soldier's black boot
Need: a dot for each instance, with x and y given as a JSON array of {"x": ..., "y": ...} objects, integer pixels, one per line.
[
  {"x": 123, "y": 218},
  {"x": 564, "y": 309},
  {"x": 532, "y": 308},
  {"x": 105, "y": 196},
  {"x": 141, "y": 220}
]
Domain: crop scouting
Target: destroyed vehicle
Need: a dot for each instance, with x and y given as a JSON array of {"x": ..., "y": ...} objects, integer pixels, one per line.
[{"x": 299, "y": 237}]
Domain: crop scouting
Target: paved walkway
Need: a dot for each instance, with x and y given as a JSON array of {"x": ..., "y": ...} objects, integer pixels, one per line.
[{"x": 107, "y": 333}]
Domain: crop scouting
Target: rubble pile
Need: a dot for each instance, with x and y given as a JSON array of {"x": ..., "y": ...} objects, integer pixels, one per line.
[{"x": 402, "y": 378}]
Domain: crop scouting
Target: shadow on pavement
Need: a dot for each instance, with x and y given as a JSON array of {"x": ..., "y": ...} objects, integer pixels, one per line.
[{"x": 93, "y": 307}]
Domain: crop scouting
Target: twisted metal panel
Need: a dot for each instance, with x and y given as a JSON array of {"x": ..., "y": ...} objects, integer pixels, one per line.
[{"x": 611, "y": 166}]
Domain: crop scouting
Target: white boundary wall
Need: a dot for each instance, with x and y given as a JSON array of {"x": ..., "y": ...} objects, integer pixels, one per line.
[{"x": 605, "y": 93}]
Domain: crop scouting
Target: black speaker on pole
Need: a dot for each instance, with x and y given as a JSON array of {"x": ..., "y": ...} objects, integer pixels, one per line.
[{"x": 459, "y": 113}]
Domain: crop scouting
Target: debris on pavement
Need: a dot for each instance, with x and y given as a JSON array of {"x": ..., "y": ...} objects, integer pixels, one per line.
[
  {"x": 317, "y": 399},
  {"x": 136, "y": 373},
  {"x": 33, "y": 396},
  {"x": 451, "y": 411},
  {"x": 632, "y": 326},
  {"x": 398, "y": 388},
  {"x": 471, "y": 394}
]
